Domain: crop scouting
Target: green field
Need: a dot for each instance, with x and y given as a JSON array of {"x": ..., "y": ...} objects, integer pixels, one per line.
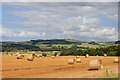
[
  {"x": 89, "y": 45},
  {"x": 106, "y": 44},
  {"x": 43, "y": 45},
  {"x": 95, "y": 45}
]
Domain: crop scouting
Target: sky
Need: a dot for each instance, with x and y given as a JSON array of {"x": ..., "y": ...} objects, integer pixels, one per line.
[
  {"x": 85, "y": 21},
  {"x": 59, "y": 0}
]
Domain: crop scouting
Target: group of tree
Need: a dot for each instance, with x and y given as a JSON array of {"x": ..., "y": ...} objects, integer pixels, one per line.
[
  {"x": 32, "y": 45},
  {"x": 25, "y": 47},
  {"x": 16, "y": 47},
  {"x": 110, "y": 51}
]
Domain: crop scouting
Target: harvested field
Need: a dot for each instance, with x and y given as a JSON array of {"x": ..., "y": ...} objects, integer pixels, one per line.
[{"x": 56, "y": 68}]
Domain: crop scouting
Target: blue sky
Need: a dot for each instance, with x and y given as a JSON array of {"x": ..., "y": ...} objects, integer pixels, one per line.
[{"x": 75, "y": 20}]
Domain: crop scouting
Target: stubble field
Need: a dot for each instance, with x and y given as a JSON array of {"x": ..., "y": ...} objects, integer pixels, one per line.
[{"x": 46, "y": 67}]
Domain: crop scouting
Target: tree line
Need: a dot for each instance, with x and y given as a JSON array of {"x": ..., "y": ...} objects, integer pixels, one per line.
[{"x": 110, "y": 51}]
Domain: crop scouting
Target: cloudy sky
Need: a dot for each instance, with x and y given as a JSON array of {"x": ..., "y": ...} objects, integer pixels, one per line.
[{"x": 84, "y": 21}]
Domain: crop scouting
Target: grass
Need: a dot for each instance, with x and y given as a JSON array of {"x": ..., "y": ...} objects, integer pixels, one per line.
[
  {"x": 106, "y": 44},
  {"x": 95, "y": 46},
  {"x": 108, "y": 79},
  {"x": 43, "y": 45},
  {"x": 109, "y": 75},
  {"x": 70, "y": 40},
  {"x": 89, "y": 45}
]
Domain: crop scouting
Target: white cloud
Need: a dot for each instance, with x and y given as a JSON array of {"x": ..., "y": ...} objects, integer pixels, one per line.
[
  {"x": 17, "y": 33},
  {"x": 64, "y": 19},
  {"x": 31, "y": 34},
  {"x": 108, "y": 9},
  {"x": 101, "y": 33}
]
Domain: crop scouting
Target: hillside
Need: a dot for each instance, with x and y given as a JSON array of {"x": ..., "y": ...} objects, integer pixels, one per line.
[
  {"x": 51, "y": 45},
  {"x": 35, "y": 45}
]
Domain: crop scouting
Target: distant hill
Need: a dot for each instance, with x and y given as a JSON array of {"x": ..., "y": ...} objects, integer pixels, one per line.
[
  {"x": 38, "y": 44},
  {"x": 50, "y": 45},
  {"x": 55, "y": 41}
]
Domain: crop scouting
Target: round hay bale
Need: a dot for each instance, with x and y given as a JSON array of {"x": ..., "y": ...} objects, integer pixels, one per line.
[
  {"x": 25, "y": 55},
  {"x": 77, "y": 56},
  {"x": 101, "y": 66},
  {"x": 116, "y": 60},
  {"x": 71, "y": 61},
  {"x": 78, "y": 60},
  {"x": 17, "y": 53},
  {"x": 105, "y": 55},
  {"x": 53, "y": 57},
  {"x": 87, "y": 55},
  {"x": 38, "y": 56},
  {"x": 10, "y": 54},
  {"x": 30, "y": 57},
  {"x": 43, "y": 56},
  {"x": 33, "y": 52},
  {"x": 95, "y": 64},
  {"x": 20, "y": 56}
]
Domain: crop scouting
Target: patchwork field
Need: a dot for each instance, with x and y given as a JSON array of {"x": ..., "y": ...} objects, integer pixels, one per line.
[
  {"x": 46, "y": 67},
  {"x": 89, "y": 45}
]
